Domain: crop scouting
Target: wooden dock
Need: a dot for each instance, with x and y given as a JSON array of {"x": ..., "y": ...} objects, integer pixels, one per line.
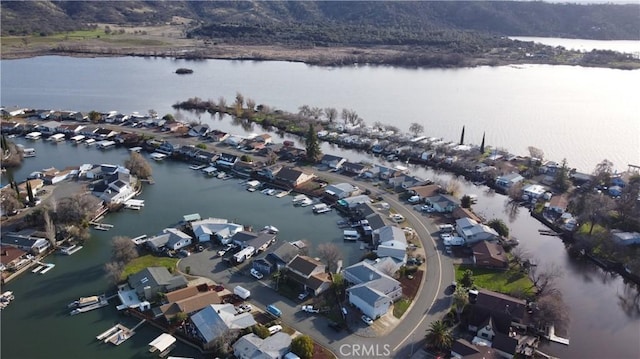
[
  {"x": 118, "y": 334},
  {"x": 47, "y": 268},
  {"x": 101, "y": 226}
]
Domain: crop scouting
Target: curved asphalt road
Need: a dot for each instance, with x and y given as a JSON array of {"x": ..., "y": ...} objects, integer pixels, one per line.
[{"x": 431, "y": 303}]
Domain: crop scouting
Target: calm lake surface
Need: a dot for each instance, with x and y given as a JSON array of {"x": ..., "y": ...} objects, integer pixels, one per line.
[
  {"x": 583, "y": 114},
  {"x": 601, "y": 305}
]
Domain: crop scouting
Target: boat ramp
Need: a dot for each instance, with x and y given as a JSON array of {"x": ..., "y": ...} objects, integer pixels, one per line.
[{"x": 118, "y": 334}]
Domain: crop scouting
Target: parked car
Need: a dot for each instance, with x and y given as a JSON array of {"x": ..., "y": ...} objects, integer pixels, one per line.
[
  {"x": 244, "y": 308},
  {"x": 274, "y": 310},
  {"x": 398, "y": 218},
  {"x": 344, "y": 311},
  {"x": 274, "y": 329},
  {"x": 303, "y": 295},
  {"x": 414, "y": 199},
  {"x": 310, "y": 309},
  {"x": 256, "y": 274},
  {"x": 367, "y": 320},
  {"x": 426, "y": 208}
]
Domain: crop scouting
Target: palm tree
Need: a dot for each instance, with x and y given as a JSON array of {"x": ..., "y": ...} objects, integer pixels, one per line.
[
  {"x": 460, "y": 300},
  {"x": 439, "y": 336}
]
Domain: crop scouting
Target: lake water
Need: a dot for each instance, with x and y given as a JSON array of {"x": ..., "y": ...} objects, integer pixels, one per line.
[
  {"x": 582, "y": 114},
  {"x": 598, "y": 301}
]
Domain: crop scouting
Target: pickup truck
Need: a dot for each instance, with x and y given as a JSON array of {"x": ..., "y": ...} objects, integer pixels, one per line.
[{"x": 310, "y": 309}]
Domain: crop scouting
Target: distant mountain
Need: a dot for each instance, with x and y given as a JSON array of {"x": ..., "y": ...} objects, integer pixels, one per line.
[{"x": 381, "y": 21}]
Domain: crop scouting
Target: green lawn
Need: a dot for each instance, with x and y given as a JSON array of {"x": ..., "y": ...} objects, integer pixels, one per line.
[
  {"x": 400, "y": 307},
  {"x": 149, "y": 260},
  {"x": 512, "y": 282}
]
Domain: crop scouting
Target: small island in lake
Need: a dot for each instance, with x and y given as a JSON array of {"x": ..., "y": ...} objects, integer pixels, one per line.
[{"x": 184, "y": 71}]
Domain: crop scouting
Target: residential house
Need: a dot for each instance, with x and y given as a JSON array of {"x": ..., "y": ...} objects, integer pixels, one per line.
[
  {"x": 338, "y": 191},
  {"x": 207, "y": 229},
  {"x": 105, "y": 133},
  {"x": 243, "y": 169},
  {"x": 199, "y": 131},
  {"x": 53, "y": 176},
  {"x": 227, "y": 160},
  {"x": 442, "y": 203},
  {"x": 509, "y": 180},
  {"x": 150, "y": 281},
  {"x": 173, "y": 126},
  {"x": 36, "y": 185},
  {"x": 269, "y": 172},
  {"x": 309, "y": 273},
  {"x": 9, "y": 127},
  {"x": 425, "y": 191},
  {"x": 88, "y": 131},
  {"x": 166, "y": 148},
  {"x": 490, "y": 255},
  {"x": 404, "y": 182},
  {"x": 259, "y": 241},
  {"x": 372, "y": 291},
  {"x": 71, "y": 129},
  {"x": 29, "y": 241},
  {"x": 353, "y": 169},
  {"x": 580, "y": 179},
  {"x": 234, "y": 140},
  {"x": 12, "y": 111},
  {"x": 276, "y": 258},
  {"x": 218, "y": 136},
  {"x": 49, "y": 127},
  {"x": 391, "y": 242},
  {"x": 558, "y": 204},
  {"x": 264, "y": 138},
  {"x": 170, "y": 238},
  {"x": 217, "y": 321},
  {"x": 292, "y": 154},
  {"x": 251, "y": 346},
  {"x": 474, "y": 232},
  {"x": 533, "y": 191},
  {"x": 463, "y": 349},
  {"x": 12, "y": 258},
  {"x": 289, "y": 177},
  {"x": 625, "y": 238},
  {"x": 506, "y": 312},
  {"x": 187, "y": 300},
  {"x": 350, "y": 204},
  {"x": 460, "y": 212},
  {"x": 333, "y": 162}
]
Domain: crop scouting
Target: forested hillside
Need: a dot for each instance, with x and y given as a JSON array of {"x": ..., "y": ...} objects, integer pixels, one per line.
[{"x": 334, "y": 21}]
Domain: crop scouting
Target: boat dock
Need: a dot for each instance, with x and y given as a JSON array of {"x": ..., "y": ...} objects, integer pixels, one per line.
[
  {"x": 47, "y": 268},
  {"x": 282, "y": 194},
  {"x": 38, "y": 269},
  {"x": 162, "y": 344},
  {"x": 118, "y": 334},
  {"x": 136, "y": 204},
  {"x": 101, "y": 226},
  {"x": 71, "y": 250}
]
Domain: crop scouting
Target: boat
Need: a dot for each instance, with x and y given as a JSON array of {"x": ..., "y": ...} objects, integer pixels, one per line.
[
  {"x": 33, "y": 136},
  {"x": 90, "y": 142},
  {"x": 84, "y": 301},
  {"x": 5, "y": 299},
  {"x": 106, "y": 144},
  {"x": 58, "y": 137},
  {"x": 90, "y": 306},
  {"x": 136, "y": 204},
  {"x": 77, "y": 139},
  {"x": 320, "y": 208},
  {"x": 252, "y": 186},
  {"x": 268, "y": 191},
  {"x": 298, "y": 199},
  {"x": 306, "y": 202},
  {"x": 135, "y": 149},
  {"x": 221, "y": 174},
  {"x": 197, "y": 167},
  {"x": 70, "y": 250},
  {"x": 28, "y": 152},
  {"x": 271, "y": 229},
  {"x": 158, "y": 156}
]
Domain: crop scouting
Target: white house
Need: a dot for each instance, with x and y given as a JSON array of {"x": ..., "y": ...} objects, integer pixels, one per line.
[
  {"x": 392, "y": 242},
  {"x": 251, "y": 346},
  {"x": 118, "y": 191},
  {"x": 474, "y": 232},
  {"x": 442, "y": 203},
  {"x": 171, "y": 238},
  {"x": 372, "y": 291},
  {"x": 207, "y": 229},
  {"x": 216, "y": 320},
  {"x": 340, "y": 190},
  {"x": 533, "y": 191}
]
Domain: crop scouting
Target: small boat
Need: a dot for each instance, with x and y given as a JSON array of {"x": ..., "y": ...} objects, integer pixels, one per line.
[
  {"x": 135, "y": 149},
  {"x": 271, "y": 229},
  {"x": 77, "y": 139},
  {"x": 320, "y": 208},
  {"x": 157, "y": 156},
  {"x": 33, "y": 136},
  {"x": 84, "y": 301},
  {"x": 90, "y": 142},
  {"x": 71, "y": 250},
  {"x": 306, "y": 202},
  {"x": 268, "y": 191},
  {"x": 58, "y": 137},
  {"x": 298, "y": 199},
  {"x": 197, "y": 167},
  {"x": 29, "y": 152}
]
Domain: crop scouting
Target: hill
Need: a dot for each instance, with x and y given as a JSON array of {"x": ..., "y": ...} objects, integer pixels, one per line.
[{"x": 381, "y": 22}]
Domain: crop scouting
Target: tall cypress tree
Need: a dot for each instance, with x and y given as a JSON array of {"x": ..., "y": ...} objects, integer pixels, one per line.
[
  {"x": 30, "y": 196},
  {"x": 462, "y": 136},
  {"x": 482, "y": 144},
  {"x": 313, "y": 148}
]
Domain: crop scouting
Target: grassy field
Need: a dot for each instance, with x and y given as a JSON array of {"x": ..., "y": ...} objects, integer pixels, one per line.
[
  {"x": 400, "y": 307},
  {"x": 512, "y": 281},
  {"x": 143, "y": 262}
]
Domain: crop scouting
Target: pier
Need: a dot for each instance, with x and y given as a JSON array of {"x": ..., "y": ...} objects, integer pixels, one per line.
[
  {"x": 118, "y": 334},
  {"x": 47, "y": 268},
  {"x": 101, "y": 226},
  {"x": 71, "y": 250}
]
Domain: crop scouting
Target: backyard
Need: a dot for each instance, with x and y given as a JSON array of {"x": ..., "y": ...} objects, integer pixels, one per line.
[
  {"x": 149, "y": 260},
  {"x": 512, "y": 281}
]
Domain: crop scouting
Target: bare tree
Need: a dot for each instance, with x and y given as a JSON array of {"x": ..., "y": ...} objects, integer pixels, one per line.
[
  {"x": 544, "y": 279},
  {"x": 388, "y": 269},
  {"x": 222, "y": 103},
  {"x": 123, "y": 250},
  {"x": 251, "y": 105},
  {"x": 50, "y": 229},
  {"x": 351, "y": 117},
  {"x": 521, "y": 256},
  {"x": 10, "y": 203},
  {"x": 77, "y": 209},
  {"x": 535, "y": 152},
  {"x": 453, "y": 187},
  {"x": 330, "y": 254},
  {"x": 113, "y": 271},
  {"x": 331, "y": 114},
  {"x": 416, "y": 128},
  {"x": 316, "y": 112},
  {"x": 551, "y": 309},
  {"x": 304, "y": 111},
  {"x": 602, "y": 172},
  {"x": 138, "y": 165}
]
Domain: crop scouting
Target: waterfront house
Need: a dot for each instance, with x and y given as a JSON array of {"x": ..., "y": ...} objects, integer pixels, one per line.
[
  {"x": 276, "y": 258},
  {"x": 259, "y": 241},
  {"x": 207, "y": 229},
  {"x": 460, "y": 212},
  {"x": 219, "y": 321},
  {"x": 291, "y": 154},
  {"x": 489, "y": 255},
  {"x": 166, "y": 148},
  {"x": 351, "y": 204},
  {"x": 558, "y": 204},
  {"x": 150, "y": 281},
  {"x": 269, "y": 172},
  {"x": 506, "y": 312},
  {"x": 442, "y": 203},
  {"x": 332, "y": 161},
  {"x": 227, "y": 160},
  {"x": 251, "y": 346},
  {"x": 290, "y": 177},
  {"x": 28, "y": 240},
  {"x": 170, "y": 238},
  {"x": 424, "y": 191},
  {"x": 187, "y": 300},
  {"x": 474, "y": 232},
  {"x": 509, "y": 180},
  {"x": 118, "y": 186},
  {"x": 199, "y": 131},
  {"x": 371, "y": 290},
  {"x": 338, "y": 191},
  {"x": 105, "y": 133},
  {"x": 173, "y": 126},
  {"x": 71, "y": 129},
  {"x": 49, "y": 127},
  {"x": 309, "y": 273},
  {"x": 12, "y": 111},
  {"x": 463, "y": 349},
  {"x": 9, "y": 127},
  {"x": 12, "y": 258},
  {"x": 218, "y": 136},
  {"x": 89, "y": 131},
  {"x": 404, "y": 182},
  {"x": 391, "y": 242},
  {"x": 243, "y": 169},
  {"x": 533, "y": 191},
  {"x": 36, "y": 185}
]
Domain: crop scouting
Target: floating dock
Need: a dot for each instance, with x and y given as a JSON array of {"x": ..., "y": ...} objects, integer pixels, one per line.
[
  {"x": 47, "y": 268},
  {"x": 71, "y": 250},
  {"x": 136, "y": 204},
  {"x": 101, "y": 226},
  {"x": 38, "y": 269},
  {"x": 118, "y": 334}
]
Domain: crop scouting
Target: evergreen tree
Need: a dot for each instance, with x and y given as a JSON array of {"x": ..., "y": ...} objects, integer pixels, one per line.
[
  {"x": 482, "y": 144},
  {"x": 30, "y": 196},
  {"x": 3, "y": 144},
  {"x": 313, "y": 148},
  {"x": 462, "y": 136}
]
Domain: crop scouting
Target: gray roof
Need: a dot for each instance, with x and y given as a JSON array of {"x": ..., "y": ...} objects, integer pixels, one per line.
[
  {"x": 284, "y": 251},
  {"x": 216, "y": 319},
  {"x": 390, "y": 233},
  {"x": 369, "y": 295},
  {"x": 156, "y": 276},
  {"x": 253, "y": 347},
  {"x": 169, "y": 237},
  {"x": 376, "y": 221}
]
